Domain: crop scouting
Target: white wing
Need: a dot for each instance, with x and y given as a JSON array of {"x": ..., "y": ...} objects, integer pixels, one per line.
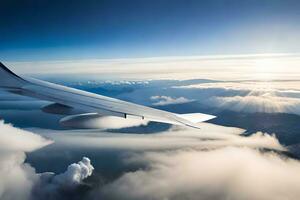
[{"x": 92, "y": 103}]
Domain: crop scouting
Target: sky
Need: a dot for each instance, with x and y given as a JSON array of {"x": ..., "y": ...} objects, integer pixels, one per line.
[{"x": 67, "y": 30}]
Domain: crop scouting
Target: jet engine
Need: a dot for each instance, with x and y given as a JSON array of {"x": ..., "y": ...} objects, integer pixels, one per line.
[{"x": 94, "y": 120}]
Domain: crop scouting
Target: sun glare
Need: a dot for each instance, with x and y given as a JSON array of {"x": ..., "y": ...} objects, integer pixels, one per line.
[{"x": 267, "y": 69}]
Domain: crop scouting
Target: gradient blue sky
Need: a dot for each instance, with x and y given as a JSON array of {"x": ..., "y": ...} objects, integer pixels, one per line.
[{"x": 63, "y": 29}]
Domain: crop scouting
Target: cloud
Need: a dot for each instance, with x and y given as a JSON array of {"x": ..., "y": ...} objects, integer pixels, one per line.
[
  {"x": 249, "y": 96},
  {"x": 16, "y": 140},
  {"x": 225, "y": 173},
  {"x": 17, "y": 177},
  {"x": 74, "y": 175},
  {"x": 220, "y": 67},
  {"x": 166, "y": 100},
  {"x": 209, "y": 136},
  {"x": 52, "y": 186},
  {"x": 266, "y": 103},
  {"x": 214, "y": 162}
]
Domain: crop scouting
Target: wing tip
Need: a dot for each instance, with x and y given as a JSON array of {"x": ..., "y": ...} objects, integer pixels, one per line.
[
  {"x": 196, "y": 117},
  {"x": 7, "y": 70}
]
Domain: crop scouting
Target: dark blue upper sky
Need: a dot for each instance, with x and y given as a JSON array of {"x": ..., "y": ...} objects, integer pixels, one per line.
[{"x": 64, "y": 29}]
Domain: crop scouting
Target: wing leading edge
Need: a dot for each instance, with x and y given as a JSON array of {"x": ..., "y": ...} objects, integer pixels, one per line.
[{"x": 92, "y": 103}]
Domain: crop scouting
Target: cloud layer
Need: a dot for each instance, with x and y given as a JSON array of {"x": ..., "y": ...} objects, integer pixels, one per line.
[
  {"x": 166, "y": 100},
  {"x": 247, "y": 96},
  {"x": 227, "y": 173},
  {"x": 215, "y": 162},
  {"x": 222, "y": 67},
  {"x": 209, "y": 136}
]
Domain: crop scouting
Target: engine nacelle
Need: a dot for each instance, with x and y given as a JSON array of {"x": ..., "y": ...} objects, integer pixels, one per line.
[{"x": 94, "y": 120}]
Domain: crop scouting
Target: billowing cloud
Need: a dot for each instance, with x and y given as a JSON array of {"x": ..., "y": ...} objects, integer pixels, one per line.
[
  {"x": 18, "y": 140},
  {"x": 52, "y": 186},
  {"x": 74, "y": 175},
  {"x": 166, "y": 100},
  {"x": 17, "y": 177},
  {"x": 226, "y": 173}
]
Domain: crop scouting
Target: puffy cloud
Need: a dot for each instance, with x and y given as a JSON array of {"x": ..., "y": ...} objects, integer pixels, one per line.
[
  {"x": 225, "y": 173},
  {"x": 18, "y": 140},
  {"x": 52, "y": 186},
  {"x": 17, "y": 177},
  {"x": 74, "y": 175},
  {"x": 166, "y": 100}
]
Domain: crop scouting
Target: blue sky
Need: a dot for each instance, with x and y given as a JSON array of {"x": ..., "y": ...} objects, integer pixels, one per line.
[{"x": 53, "y": 30}]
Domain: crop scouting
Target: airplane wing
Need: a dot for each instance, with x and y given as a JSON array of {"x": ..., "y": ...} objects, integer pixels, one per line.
[{"x": 88, "y": 102}]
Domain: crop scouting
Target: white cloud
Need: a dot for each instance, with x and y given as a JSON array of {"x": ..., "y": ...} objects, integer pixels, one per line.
[
  {"x": 18, "y": 140},
  {"x": 166, "y": 100},
  {"x": 213, "y": 162},
  {"x": 269, "y": 86},
  {"x": 52, "y": 186},
  {"x": 17, "y": 177},
  {"x": 226, "y": 173},
  {"x": 266, "y": 103},
  {"x": 209, "y": 136},
  {"x": 74, "y": 175},
  {"x": 250, "y": 96},
  {"x": 221, "y": 67}
]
